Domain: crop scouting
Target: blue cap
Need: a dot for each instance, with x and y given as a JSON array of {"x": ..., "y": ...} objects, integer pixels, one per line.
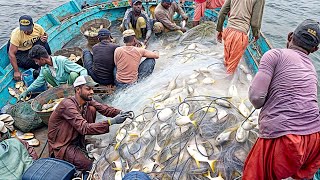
[
  {"x": 104, "y": 32},
  {"x": 26, "y": 23},
  {"x": 135, "y": 1},
  {"x": 308, "y": 32}
]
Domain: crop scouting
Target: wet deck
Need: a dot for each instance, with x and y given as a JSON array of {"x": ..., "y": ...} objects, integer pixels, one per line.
[{"x": 41, "y": 134}]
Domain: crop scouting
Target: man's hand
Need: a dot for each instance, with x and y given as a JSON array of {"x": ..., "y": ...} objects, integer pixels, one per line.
[
  {"x": 17, "y": 75},
  {"x": 120, "y": 118},
  {"x": 256, "y": 38},
  {"x": 219, "y": 37},
  {"x": 44, "y": 38},
  {"x": 183, "y": 29},
  {"x": 23, "y": 95}
]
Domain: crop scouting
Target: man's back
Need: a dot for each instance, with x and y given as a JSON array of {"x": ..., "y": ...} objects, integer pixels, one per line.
[
  {"x": 244, "y": 13},
  {"x": 291, "y": 104},
  {"x": 103, "y": 61}
]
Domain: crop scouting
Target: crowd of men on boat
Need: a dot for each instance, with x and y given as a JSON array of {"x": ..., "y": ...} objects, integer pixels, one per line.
[{"x": 290, "y": 136}]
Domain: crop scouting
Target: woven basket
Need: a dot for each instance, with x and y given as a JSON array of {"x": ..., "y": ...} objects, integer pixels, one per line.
[
  {"x": 68, "y": 51},
  {"x": 24, "y": 117},
  {"x": 96, "y": 24},
  {"x": 51, "y": 94}
]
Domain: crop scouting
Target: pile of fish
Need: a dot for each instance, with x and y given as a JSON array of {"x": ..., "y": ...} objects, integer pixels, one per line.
[
  {"x": 17, "y": 90},
  {"x": 186, "y": 133},
  {"x": 51, "y": 105},
  {"x": 93, "y": 32},
  {"x": 74, "y": 58}
]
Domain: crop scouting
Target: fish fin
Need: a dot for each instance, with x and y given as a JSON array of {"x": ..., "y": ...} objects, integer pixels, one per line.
[
  {"x": 180, "y": 99},
  {"x": 198, "y": 163},
  {"x": 212, "y": 164},
  {"x": 117, "y": 169},
  {"x": 195, "y": 123},
  {"x": 207, "y": 174},
  {"x": 191, "y": 115},
  {"x": 117, "y": 146}
]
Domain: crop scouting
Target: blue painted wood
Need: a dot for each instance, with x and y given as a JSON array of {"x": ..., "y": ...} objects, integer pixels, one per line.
[{"x": 63, "y": 24}]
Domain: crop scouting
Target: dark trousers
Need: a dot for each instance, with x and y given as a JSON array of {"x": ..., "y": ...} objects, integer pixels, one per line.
[
  {"x": 88, "y": 64},
  {"x": 23, "y": 59},
  {"x": 145, "y": 69}
]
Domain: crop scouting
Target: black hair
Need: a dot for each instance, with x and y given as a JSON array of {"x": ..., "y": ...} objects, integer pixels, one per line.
[
  {"x": 38, "y": 52},
  {"x": 128, "y": 39}
]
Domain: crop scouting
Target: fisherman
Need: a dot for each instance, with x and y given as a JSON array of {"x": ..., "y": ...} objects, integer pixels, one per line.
[
  {"x": 285, "y": 87},
  {"x": 22, "y": 39},
  {"x": 201, "y": 6},
  {"x": 242, "y": 15},
  {"x": 84, "y": 5},
  {"x": 164, "y": 13},
  {"x": 127, "y": 60},
  {"x": 55, "y": 70},
  {"x": 100, "y": 64},
  {"x": 74, "y": 118},
  {"x": 137, "y": 19}
]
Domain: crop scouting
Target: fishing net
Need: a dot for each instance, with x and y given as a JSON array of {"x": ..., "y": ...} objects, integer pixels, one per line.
[
  {"x": 189, "y": 128},
  {"x": 24, "y": 117}
]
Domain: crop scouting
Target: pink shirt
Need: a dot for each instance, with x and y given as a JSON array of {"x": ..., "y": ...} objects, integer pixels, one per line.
[
  {"x": 286, "y": 89},
  {"x": 127, "y": 60}
]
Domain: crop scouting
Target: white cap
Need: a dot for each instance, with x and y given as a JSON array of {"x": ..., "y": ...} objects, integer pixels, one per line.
[{"x": 84, "y": 80}]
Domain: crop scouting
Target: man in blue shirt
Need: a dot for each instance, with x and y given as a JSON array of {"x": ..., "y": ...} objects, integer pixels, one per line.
[{"x": 55, "y": 70}]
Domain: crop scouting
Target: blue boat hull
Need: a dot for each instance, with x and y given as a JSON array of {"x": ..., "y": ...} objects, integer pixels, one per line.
[{"x": 63, "y": 24}]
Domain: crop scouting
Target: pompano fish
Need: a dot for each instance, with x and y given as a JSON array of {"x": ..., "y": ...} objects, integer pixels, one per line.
[
  {"x": 194, "y": 75},
  {"x": 243, "y": 109},
  {"x": 225, "y": 135},
  {"x": 173, "y": 84},
  {"x": 165, "y": 95},
  {"x": 233, "y": 91},
  {"x": 223, "y": 103},
  {"x": 198, "y": 157},
  {"x": 242, "y": 135},
  {"x": 248, "y": 125},
  {"x": 183, "y": 120},
  {"x": 148, "y": 166},
  {"x": 208, "y": 80},
  {"x": 165, "y": 114},
  {"x": 192, "y": 81}
]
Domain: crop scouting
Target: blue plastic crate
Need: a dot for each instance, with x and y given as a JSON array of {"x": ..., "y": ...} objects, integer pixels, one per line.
[{"x": 28, "y": 79}]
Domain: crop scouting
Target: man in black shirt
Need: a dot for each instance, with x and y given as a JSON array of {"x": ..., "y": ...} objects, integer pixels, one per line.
[{"x": 100, "y": 65}]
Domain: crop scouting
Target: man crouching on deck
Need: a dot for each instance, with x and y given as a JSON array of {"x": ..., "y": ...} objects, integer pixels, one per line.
[{"x": 74, "y": 118}]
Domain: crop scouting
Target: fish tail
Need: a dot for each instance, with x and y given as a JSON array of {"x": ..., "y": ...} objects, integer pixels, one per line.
[
  {"x": 180, "y": 99},
  {"x": 117, "y": 169},
  {"x": 191, "y": 115},
  {"x": 212, "y": 164},
  {"x": 195, "y": 123},
  {"x": 207, "y": 174},
  {"x": 117, "y": 146}
]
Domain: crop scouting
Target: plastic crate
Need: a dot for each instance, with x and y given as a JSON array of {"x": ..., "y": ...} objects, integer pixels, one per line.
[
  {"x": 28, "y": 80},
  {"x": 49, "y": 169}
]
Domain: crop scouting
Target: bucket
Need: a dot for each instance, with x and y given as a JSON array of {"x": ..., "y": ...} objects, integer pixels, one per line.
[
  {"x": 66, "y": 52},
  {"x": 62, "y": 91},
  {"x": 49, "y": 168},
  {"x": 27, "y": 77},
  {"x": 95, "y": 23}
]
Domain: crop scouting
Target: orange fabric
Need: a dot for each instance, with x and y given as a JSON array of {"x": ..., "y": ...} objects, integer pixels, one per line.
[
  {"x": 202, "y": 6},
  {"x": 287, "y": 156},
  {"x": 235, "y": 44}
]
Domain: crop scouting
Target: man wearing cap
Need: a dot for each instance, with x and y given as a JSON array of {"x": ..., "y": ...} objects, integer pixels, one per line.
[
  {"x": 164, "y": 13},
  {"x": 127, "y": 59},
  {"x": 55, "y": 70},
  {"x": 137, "y": 19},
  {"x": 242, "y": 15},
  {"x": 201, "y": 6},
  {"x": 22, "y": 39},
  {"x": 285, "y": 87},
  {"x": 74, "y": 118},
  {"x": 100, "y": 64}
]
